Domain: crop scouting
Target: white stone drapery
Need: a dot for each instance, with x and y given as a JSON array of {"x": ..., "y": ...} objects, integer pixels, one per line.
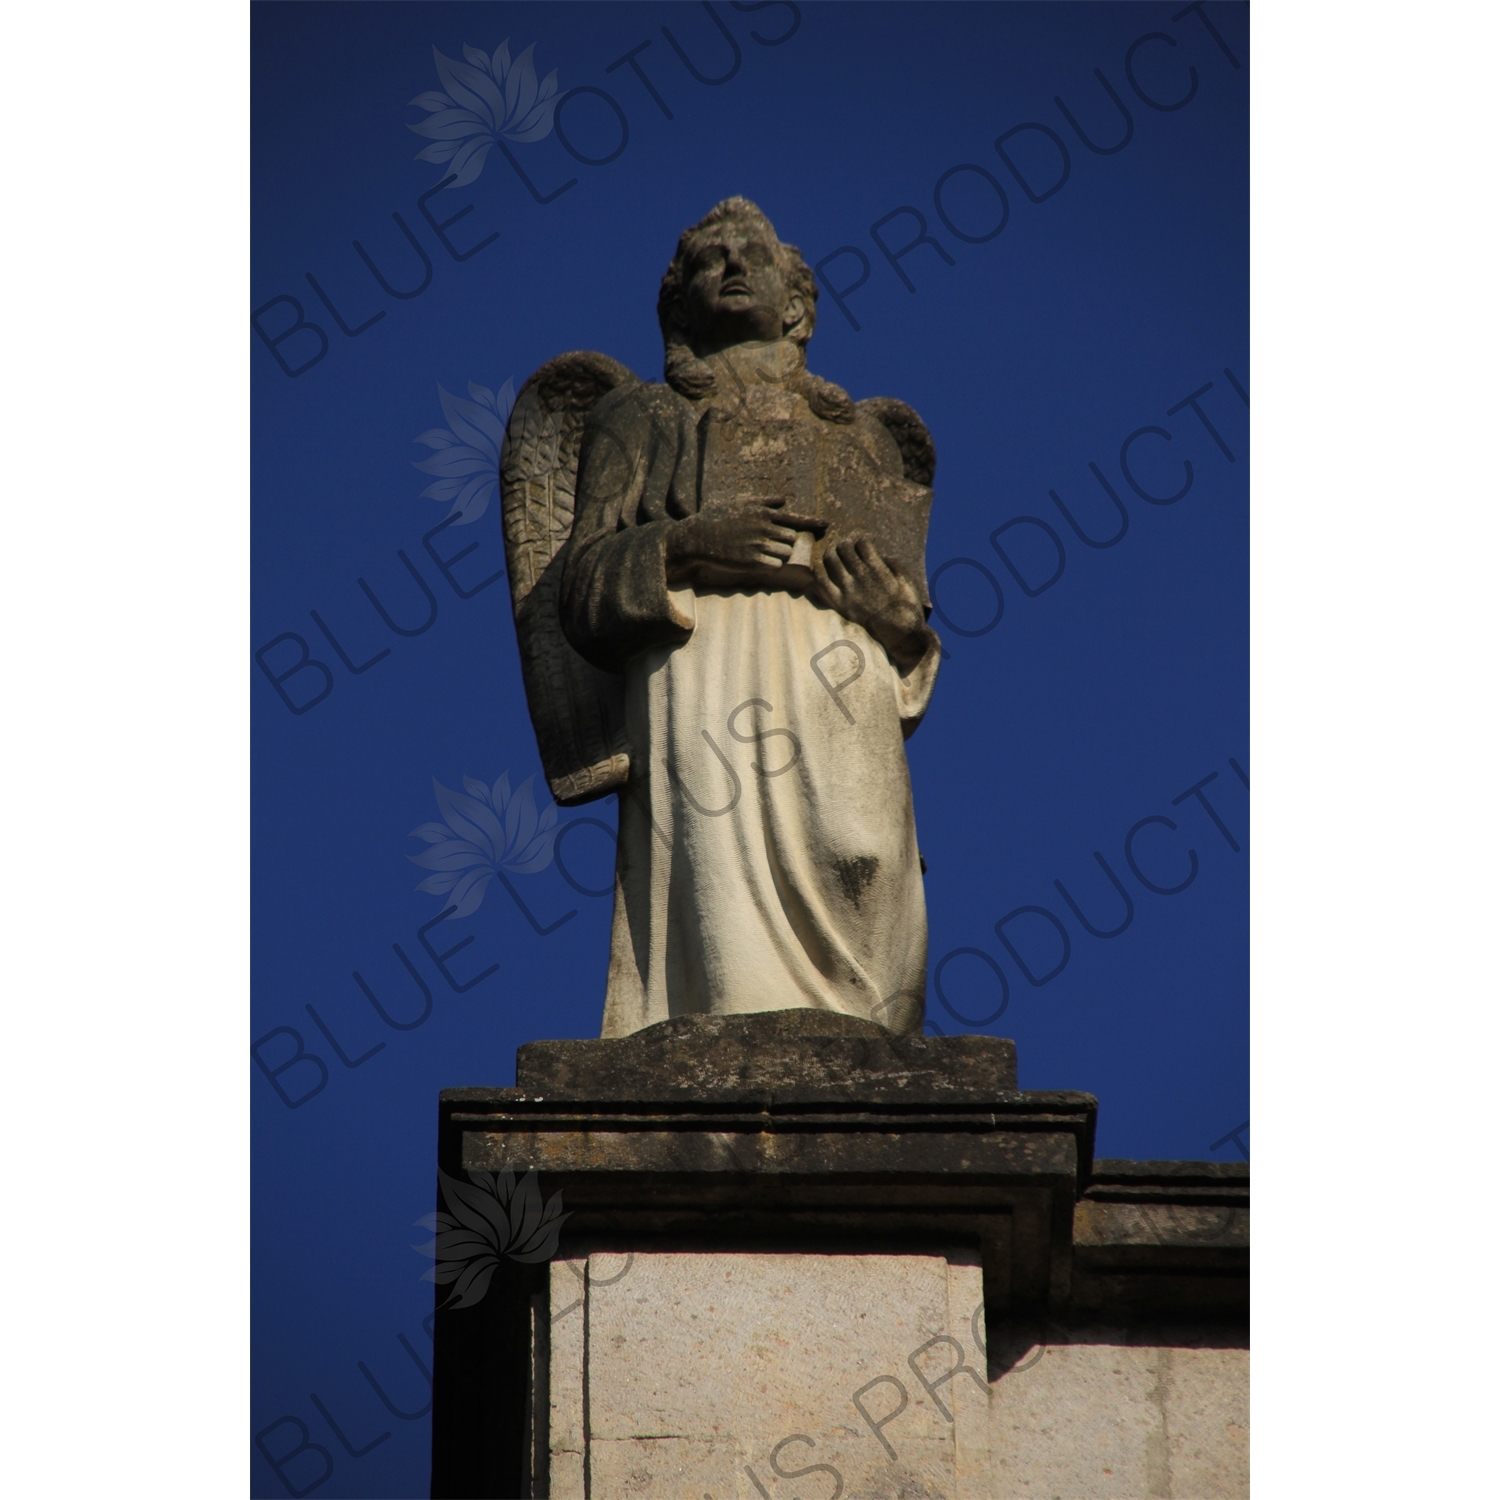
[{"x": 768, "y": 853}]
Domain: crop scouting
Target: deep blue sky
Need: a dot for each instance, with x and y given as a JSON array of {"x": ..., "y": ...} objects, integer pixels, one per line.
[{"x": 1087, "y": 708}]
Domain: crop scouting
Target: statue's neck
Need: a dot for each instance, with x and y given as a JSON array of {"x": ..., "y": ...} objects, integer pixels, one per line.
[{"x": 755, "y": 363}]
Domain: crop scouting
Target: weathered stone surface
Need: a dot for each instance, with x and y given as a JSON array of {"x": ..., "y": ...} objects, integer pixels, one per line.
[
  {"x": 1097, "y": 1412},
  {"x": 729, "y": 1374},
  {"x": 793, "y": 1123},
  {"x": 786, "y": 1153},
  {"x": 801, "y": 1139},
  {"x": 781, "y": 1055},
  {"x": 1205, "y": 1395},
  {"x": 694, "y": 1369},
  {"x": 1156, "y": 1238}
]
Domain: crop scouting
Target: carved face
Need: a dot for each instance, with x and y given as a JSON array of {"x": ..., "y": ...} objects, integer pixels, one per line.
[{"x": 734, "y": 289}]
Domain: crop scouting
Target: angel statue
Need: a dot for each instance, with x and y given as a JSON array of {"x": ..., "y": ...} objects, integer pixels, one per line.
[{"x": 721, "y": 607}]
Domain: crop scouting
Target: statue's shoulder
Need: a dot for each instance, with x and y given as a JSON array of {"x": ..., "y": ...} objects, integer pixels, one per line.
[
  {"x": 898, "y": 429},
  {"x": 640, "y": 404},
  {"x": 574, "y": 394}
]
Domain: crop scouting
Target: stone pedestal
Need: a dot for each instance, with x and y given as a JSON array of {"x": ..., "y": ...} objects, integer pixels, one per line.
[
  {"x": 802, "y": 1258},
  {"x": 728, "y": 1372}
]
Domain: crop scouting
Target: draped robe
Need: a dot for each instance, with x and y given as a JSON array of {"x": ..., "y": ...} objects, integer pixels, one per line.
[{"x": 767, "y": 846}]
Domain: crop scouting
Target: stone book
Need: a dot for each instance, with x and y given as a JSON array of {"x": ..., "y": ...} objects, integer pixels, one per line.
[{"x": 847, "y": 476}]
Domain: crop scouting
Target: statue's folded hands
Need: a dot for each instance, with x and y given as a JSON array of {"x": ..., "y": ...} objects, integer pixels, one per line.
[
  {"x": 873, "y": 591},
  {"x": 728, "y": 543}
]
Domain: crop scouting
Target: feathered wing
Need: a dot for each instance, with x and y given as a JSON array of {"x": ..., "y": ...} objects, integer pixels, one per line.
[
  {"x": 578, "y": 712},
  {"x": 913, "y": 500},
  {"x": 918, "y": 454}
]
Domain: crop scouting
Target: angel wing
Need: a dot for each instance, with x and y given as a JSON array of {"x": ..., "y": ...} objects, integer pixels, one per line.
[
  {"x": 578, "y": 712},
  {"x": 907, "y": 502},
  {"x": 918, "y": 454}
]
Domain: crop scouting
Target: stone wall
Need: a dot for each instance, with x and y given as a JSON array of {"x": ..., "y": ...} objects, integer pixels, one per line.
[
  {"x": 685, "y": 1375},
  {"x": 1145, "y": 1412},
  {"x": 805, "y": 1259}
]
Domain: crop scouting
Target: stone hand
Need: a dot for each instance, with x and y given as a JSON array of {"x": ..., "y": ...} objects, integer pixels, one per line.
[
  {"x": 746, "y": 537},
  {"x": 864, "y": 587}
]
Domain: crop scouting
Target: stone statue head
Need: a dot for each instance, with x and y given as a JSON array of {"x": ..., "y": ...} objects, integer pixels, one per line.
[{"x": 732, "y": 281}]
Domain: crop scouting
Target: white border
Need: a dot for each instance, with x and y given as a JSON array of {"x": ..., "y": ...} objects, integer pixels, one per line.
[
  {"x": 1373, "y": 683},
  {"x": 126, "y": 752}
]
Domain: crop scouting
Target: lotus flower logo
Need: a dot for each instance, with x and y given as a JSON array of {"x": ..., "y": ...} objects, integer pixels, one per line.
[
  {"x": 467, "y": 456},
  {"x": 488, "y": 1216},
  {"x": 487, "y": 97},
  {"x": 486, "y": 831}
]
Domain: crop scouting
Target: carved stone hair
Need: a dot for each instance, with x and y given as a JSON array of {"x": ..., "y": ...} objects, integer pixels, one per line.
[{"x": 694, "y": 378}]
